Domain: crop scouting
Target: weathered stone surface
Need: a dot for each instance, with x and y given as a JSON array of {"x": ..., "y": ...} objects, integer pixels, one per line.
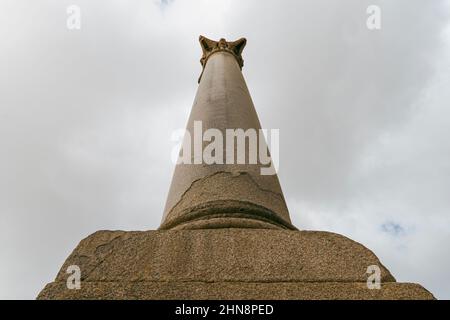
[
  {"x": 236, "y": 291},
  {"x": 228, "y": 263},
  {"x": 214, "y": 255},
  {"x": 212, "y": 196}
]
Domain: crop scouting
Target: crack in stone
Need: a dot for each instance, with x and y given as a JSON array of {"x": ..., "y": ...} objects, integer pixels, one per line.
[{"x": 233, "y": 175}]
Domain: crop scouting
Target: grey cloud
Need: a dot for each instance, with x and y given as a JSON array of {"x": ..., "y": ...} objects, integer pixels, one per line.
[{"x": 86, "y": 118}]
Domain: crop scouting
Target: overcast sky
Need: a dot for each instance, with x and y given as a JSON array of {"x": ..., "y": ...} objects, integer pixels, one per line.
[{"x": 86, "y": 118}]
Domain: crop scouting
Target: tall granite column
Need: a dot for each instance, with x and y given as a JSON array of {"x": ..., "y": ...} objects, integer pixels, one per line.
[{"x": 224, "y": 195}]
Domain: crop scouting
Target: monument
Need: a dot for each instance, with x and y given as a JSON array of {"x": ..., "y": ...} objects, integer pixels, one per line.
[{"x": 226, "y": 231}]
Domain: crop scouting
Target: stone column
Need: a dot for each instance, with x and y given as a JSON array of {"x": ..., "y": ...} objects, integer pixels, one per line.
[{"x": 224, "y": 195}]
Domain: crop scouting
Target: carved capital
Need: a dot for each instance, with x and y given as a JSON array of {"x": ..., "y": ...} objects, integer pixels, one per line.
[{"x": 210, "y": 46}]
